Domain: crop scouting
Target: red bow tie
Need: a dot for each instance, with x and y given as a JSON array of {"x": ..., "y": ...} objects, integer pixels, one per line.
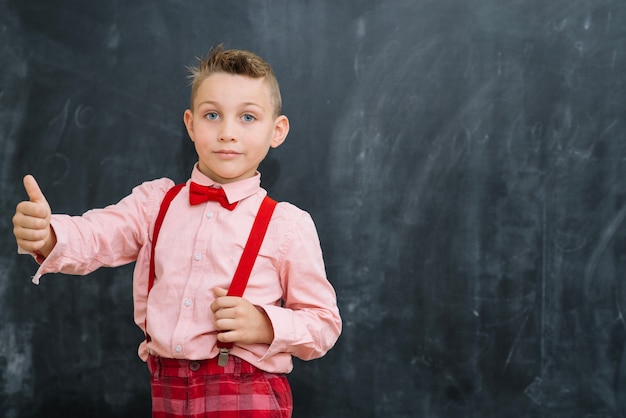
[{"x": 200, "y": 194}]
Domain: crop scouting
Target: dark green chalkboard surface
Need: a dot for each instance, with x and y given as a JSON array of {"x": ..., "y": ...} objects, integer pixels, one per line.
[{"x": 464, "y": 161}]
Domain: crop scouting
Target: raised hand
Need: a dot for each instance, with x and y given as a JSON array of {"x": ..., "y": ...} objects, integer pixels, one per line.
[{"x": 31, "y": 222}]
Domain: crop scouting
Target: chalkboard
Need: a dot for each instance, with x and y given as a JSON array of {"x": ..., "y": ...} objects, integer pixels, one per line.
[{"x": 464, "y": 163}]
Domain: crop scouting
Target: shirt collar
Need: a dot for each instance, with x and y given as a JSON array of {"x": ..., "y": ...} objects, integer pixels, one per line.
[{"x": 235, "y": 191}]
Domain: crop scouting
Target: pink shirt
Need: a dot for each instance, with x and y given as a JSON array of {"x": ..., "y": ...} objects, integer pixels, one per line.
[{"x": 198, "y": 249}]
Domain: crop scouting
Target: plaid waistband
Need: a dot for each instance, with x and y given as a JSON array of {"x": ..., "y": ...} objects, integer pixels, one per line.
[{"x": 160, "y": 366}]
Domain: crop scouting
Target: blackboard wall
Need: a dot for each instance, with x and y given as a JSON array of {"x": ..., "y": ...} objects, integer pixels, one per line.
[{"x": 464, "y": 161}]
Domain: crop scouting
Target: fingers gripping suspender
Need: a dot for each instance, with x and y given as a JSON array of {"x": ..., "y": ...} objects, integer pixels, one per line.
[{"x": 244, "y": 268}]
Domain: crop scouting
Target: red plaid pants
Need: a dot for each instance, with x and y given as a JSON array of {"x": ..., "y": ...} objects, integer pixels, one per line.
[{"x": 202, "y": 389}]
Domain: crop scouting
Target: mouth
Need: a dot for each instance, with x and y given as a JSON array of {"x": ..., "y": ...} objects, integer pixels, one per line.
[{"x": 226, "y": 154}]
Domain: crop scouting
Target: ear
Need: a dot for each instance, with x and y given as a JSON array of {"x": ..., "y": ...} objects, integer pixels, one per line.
[
  {"x": 188, "y": 119},
  {"x": 281, "y": 129}
]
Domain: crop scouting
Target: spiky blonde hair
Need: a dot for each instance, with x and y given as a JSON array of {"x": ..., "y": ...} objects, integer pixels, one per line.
[{"x": 235, "y": 61}]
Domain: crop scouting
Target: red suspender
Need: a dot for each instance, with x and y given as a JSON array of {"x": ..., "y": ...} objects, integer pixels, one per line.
[
  {"x": 165, "y": 204},
  {"x": 248, "y": 257},
  {"x": 244, "y": 268},
  {"x": 251, "y": 250}
]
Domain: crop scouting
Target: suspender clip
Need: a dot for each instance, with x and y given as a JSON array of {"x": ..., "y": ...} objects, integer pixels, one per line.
[{"x": 222, "y": 359}]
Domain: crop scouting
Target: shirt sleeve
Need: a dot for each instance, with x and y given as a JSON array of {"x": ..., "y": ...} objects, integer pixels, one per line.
[
  {"x": 308, "y": 324},
  {"x": 109, "y": 237}
]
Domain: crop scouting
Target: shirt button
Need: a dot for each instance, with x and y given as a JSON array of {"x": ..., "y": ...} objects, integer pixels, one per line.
[
  {"x": 209, "y": 215},
  {"x": 178, "y": 349},
  {"x": 187, "y": 302},
  {"x": 197, "y": 257}
]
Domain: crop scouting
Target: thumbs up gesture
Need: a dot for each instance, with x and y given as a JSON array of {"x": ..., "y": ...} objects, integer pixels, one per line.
[{"x": 31, "y": 223}]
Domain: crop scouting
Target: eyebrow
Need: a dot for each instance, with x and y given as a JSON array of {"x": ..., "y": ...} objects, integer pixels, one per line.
[{"x": 214, "y": 103}]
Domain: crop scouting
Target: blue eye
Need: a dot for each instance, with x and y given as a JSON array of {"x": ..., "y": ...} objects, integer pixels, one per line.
[
  {"x": 248, "y": 118},
  {"x": 212, "y": 116}
]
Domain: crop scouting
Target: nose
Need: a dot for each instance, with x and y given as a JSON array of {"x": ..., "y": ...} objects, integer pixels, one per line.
[{"x": 227, "y": 131}]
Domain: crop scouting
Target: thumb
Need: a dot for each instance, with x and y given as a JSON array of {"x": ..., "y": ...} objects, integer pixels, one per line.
[
  {"x": 219, "y": 292},
  {"x": 33, "y": 190}
]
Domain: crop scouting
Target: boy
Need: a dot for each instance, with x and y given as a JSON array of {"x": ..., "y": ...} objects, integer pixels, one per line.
[{"x": 289, "y": 307}]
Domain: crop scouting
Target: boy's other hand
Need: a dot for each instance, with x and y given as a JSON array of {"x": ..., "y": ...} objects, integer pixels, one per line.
[
  {"x": 31, "y": 223},
  {"x": 239, "y": 320}
]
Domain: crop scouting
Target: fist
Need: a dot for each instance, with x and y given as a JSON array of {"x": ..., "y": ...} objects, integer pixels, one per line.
[
  {"x": 237, "y": 320},
  {"x": 31, "y": 223}
]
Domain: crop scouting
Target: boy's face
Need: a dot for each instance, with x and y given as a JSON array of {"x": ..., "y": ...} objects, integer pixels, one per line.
[{"x": 233, "y": 126}]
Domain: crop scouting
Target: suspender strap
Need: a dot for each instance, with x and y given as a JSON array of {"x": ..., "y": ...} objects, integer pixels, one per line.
[
  {"x": 248, "y": 257},
  {"x": 251, "y": 250},
  {"x": 165, "y": 204}
]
